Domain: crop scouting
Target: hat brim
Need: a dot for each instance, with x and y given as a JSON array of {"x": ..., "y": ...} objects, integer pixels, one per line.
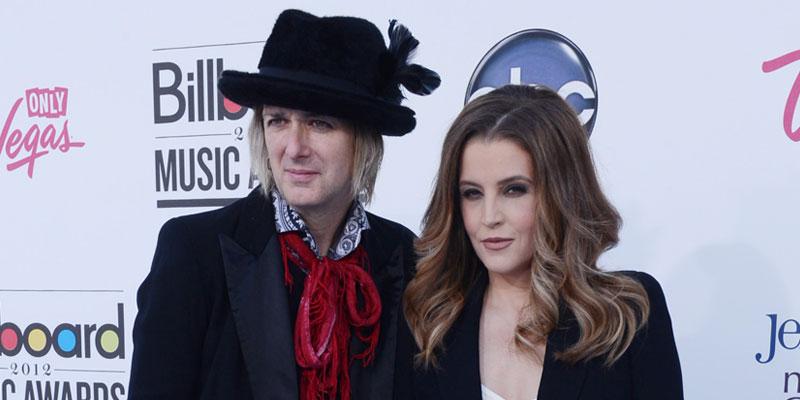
[{"x": 255, "y": 89}]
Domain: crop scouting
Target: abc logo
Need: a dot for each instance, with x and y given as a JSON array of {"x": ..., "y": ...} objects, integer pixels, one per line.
[{"x": 539, "y": 57}]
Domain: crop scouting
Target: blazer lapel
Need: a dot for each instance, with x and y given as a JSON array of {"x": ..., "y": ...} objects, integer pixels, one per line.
[
  {"x": 259, "y": 301},
  {"x": 561, "y": 381},
  {"x": 387, "y": 262},
  {"x": 459, "y": 376}
]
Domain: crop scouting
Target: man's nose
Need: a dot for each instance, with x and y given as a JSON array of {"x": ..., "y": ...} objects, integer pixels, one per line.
[{"x": 297, "y": 145}]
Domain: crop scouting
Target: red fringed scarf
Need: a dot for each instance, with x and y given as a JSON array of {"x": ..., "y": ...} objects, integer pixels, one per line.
[{"x": 328, "y": 311}]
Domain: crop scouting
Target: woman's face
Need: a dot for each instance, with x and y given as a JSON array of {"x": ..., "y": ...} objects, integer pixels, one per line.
[{"x": 497, "y": 204}]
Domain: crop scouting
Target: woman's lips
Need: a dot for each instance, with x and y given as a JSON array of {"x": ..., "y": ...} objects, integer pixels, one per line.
[{"x": 496, "y": 243}]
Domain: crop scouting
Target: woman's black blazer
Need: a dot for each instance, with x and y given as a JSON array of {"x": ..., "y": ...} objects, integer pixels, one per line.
[{"x": 648, "y": 370}]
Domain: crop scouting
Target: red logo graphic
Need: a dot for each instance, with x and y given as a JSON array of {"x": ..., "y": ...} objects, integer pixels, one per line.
[
  {"x": 232, "y": 107},
  {"x": 794, "y": 93},
  {"x": 22, "y": 150}
]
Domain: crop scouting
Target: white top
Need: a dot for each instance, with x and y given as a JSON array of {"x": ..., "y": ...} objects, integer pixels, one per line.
[{"x": 488, "y": 394}]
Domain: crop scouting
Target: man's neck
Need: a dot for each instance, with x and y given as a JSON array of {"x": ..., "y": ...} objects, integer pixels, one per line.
[{"x": 325, "y": 224}]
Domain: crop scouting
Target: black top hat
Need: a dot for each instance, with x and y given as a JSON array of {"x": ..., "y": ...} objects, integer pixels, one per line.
[{"x": 336, "y": 66}]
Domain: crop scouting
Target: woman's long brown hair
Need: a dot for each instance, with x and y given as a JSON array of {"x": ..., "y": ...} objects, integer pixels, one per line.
[{"x": 574, "y": 224}]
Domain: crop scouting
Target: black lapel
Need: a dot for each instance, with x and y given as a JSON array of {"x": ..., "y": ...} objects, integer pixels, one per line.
[
  {"x": 259, "y": 301},
  {"x": 387, "y": 261},
  {"x": 459, "y": 376},
  {"x": 562, "y": 381}
]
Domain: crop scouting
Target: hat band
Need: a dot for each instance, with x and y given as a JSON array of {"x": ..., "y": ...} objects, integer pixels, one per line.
[{"x": 318, "y": 80}]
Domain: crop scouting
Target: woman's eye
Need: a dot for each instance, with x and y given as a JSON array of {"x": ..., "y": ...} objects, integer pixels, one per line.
[
  {"x": 516, "y": 190},
  {"x": 470, "y": 194}
]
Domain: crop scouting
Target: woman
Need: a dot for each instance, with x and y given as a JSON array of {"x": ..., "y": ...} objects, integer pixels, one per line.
[{"x": 508, "y": 301}]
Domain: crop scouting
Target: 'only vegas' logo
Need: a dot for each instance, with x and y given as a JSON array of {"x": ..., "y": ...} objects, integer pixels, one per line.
[{"x": 43, "y": 130}]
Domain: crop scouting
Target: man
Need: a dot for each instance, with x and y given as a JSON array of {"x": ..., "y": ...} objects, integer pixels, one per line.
[{"x": 294, "y": 291}]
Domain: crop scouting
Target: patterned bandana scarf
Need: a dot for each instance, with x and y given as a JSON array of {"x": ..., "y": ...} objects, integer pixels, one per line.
[
  {"x": 329, "y": 310},
  {"x": 288, "y": 219}
]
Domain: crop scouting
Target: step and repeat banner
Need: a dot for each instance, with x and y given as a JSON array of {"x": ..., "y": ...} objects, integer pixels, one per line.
[{"x": 112, "y": 124}]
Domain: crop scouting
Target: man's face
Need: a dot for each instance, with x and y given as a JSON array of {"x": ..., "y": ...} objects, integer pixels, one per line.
[{"x": 311, "y": 157}]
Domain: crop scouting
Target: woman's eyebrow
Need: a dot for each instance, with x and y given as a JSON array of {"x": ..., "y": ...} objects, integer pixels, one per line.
[{"x": 515, "y": 178}]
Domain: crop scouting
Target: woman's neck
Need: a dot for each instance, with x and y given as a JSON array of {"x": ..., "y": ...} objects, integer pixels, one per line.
[{"x": 508, "y": 292}]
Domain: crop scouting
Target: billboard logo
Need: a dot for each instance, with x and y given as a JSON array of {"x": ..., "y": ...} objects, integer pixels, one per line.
[
  {"x": 67, "y": 340},
  {"x": 539, "y": 57},
  {"x": 199, "y": 156},
  {"x": 216, "y": 166},
  {"x": 794, "y": 92},
  {"x": 23, "y": 149},
  {"x": 199, "y": 100}
]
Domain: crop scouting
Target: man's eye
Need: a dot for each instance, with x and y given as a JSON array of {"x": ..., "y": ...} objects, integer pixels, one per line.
[
  {"x": 276, "y": 121},
  {"x": 320, "y": 125},
  {"x": 470, "y": 194}
]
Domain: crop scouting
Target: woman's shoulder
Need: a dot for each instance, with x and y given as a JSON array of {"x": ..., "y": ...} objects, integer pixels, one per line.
[
  {"x": 643, "y": 277},
  {"x": 649, "y": 283},
  {"x": 653, "y": 354},
  {"x": 658, "y": 326}
]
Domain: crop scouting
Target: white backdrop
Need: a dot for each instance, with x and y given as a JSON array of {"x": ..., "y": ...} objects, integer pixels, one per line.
[{"x": 689, "y": 141}]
